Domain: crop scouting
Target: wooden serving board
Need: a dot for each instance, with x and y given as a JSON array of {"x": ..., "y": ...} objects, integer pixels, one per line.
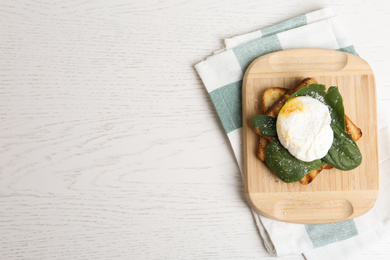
[{"x": 334, "y": 195}]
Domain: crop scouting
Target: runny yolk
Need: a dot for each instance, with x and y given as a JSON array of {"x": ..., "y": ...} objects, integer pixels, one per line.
[{"x": 292, "y": 106}]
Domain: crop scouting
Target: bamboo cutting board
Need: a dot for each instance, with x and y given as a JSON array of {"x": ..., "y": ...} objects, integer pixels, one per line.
[{"x": 334, "y": 195}]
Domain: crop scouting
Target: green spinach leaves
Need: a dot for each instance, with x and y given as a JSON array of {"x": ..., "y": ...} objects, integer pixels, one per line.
[
  {"x": 344, "y": 154},
  {"x": 336, "y": 108},
  {"x": 287, "y": 167},
  {"x": 266, "y": 125}
]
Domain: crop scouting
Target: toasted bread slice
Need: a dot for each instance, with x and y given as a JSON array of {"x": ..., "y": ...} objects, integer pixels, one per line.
[
  {"x": 272, "y": 101},
  {"x": 270, "y": 96}
]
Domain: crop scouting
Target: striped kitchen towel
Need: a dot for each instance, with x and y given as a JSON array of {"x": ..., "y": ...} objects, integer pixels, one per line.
[{"x": 222, "y": 75}]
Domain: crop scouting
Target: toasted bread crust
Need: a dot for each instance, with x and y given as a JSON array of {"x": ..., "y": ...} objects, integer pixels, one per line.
[
  {"x": 352, "y": 129},
  {"x": 263, "y": 144},
  {"x": 308, "y": 178}
]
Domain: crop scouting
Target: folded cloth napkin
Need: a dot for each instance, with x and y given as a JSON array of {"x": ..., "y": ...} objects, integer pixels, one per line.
[{"x": 222, "y": 75}]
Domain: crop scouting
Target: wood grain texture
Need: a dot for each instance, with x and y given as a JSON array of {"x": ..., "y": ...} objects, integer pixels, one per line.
[
  {"x": 344, "y": 195},
  {"x": 110, "y": 147}
]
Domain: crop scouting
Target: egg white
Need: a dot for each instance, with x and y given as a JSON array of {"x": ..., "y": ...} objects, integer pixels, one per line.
[{"x": 303, "y": 128}]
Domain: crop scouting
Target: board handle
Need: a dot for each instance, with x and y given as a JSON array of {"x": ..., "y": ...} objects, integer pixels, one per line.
[
  {"x": 290, "y": 210},
  {"x": 303, "y": 60},
  {"x": 328, "y": 60},
  {"x": 313, "y": 208}
]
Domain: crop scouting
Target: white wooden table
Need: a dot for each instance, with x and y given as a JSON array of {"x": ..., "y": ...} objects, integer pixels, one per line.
[{"x": 110, "y": 147}]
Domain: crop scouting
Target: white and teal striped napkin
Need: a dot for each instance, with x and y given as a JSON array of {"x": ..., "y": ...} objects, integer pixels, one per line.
[{"x": 222, "y": 75}]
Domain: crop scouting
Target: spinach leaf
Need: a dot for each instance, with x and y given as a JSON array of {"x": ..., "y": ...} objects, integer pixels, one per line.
[
  {"x": 285, "y": 166},
  {"x": 266, "y": 125},
  {"x": 334, "y": 101},
  {"x": 316, "y": 91},
  {"x": 344, "y": 154}
]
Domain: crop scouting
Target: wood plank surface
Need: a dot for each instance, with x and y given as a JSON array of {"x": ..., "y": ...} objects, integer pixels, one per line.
[{"x": 347, "y": 194}]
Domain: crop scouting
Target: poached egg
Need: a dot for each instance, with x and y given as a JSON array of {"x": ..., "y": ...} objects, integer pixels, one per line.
[{"x": 303, "y": 128}]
